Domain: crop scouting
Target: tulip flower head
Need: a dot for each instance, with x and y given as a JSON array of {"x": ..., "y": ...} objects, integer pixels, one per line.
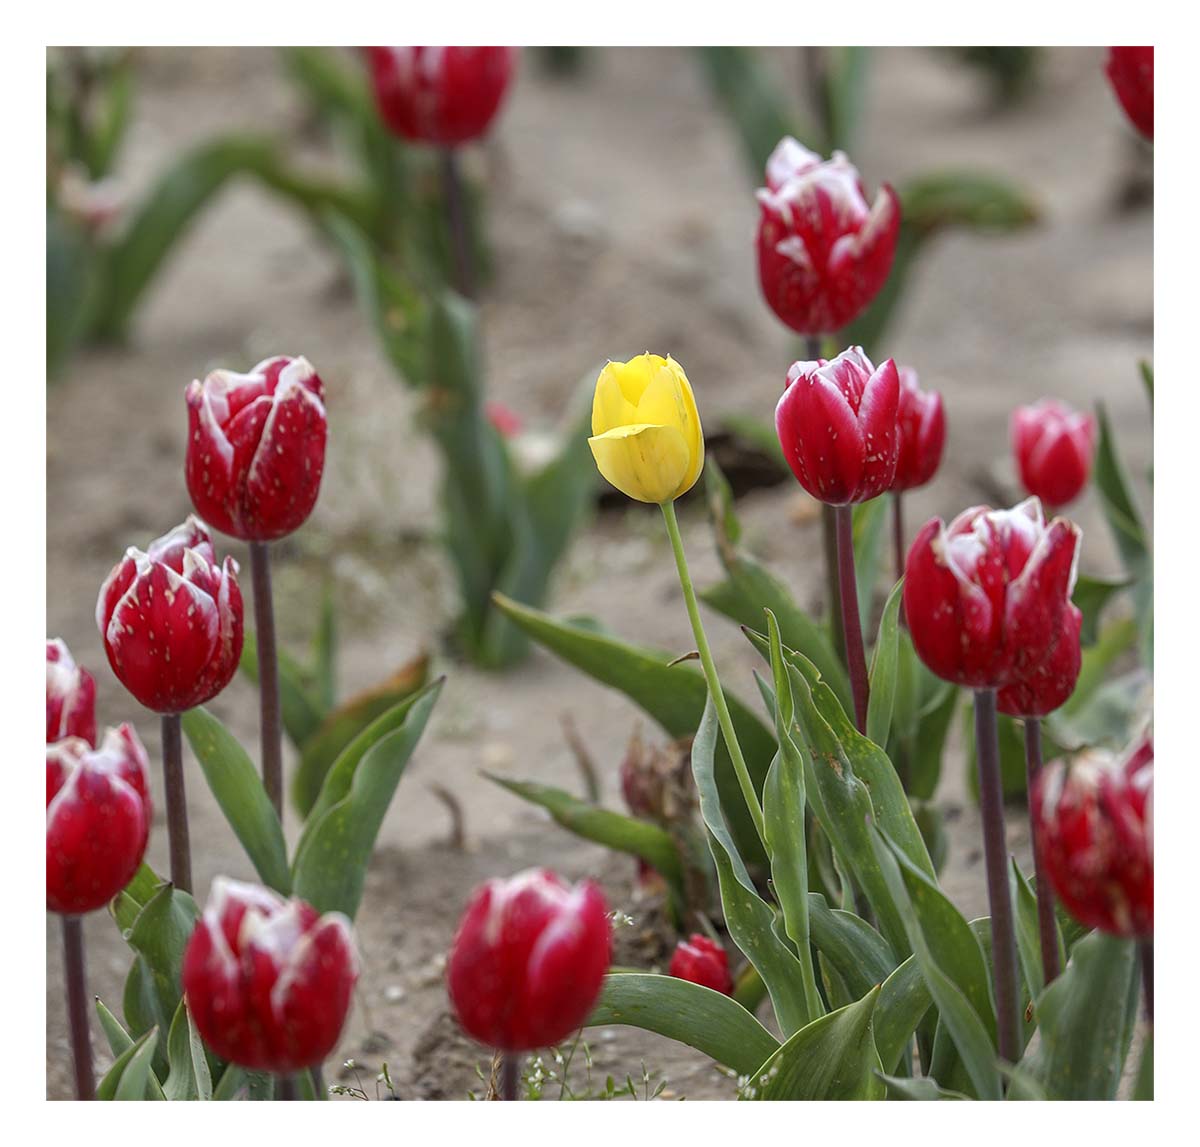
[
  {"x": 528, "y": 960},
  {"x": 823, "y": 252},
  {"x": 171, "y": 620},
  {"x": 703, "y": 962},
  {"x": 921, "y": 424},
  {"x": 256, "y": 448},
  {"x": 985, "y": 596},
  {"x": 646, "y": 435},
  {"x": 1042, "y": 688},
  {"x": 444, "y": 96},
  {"x": 1094, "y": 823},
  {"x": 1053, "y": 446},
  {"x": 837, "y": 425},
  {"x": 70, "y": 696},
  {"x": 97, "y": 819},
  {"x": 1131, "y": 73},
  {"x": 268, "y": 981}
]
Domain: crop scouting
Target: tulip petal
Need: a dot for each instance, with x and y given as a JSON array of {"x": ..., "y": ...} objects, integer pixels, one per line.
[
  {"x": 646, "y": 463},
  {"x": 610, "y": 407},
  {"x": 877, "y": 413}
]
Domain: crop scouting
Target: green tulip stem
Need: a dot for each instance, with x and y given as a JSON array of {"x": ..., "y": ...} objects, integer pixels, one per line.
[
  {"x": 1047, "y": 928},
  {"x": 710, "y": 673},
  {"x": 455, "y": 196},
  {"x": 75, "y": 972}
]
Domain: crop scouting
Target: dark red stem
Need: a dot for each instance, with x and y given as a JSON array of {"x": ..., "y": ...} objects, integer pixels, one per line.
[
  {"x": 178, "y": 842},
  {"x": 271, "y": 730},
  {"x": 1146, "y": 958},
  {"x": 75, "y": 972},
  {"x": 856, "y": 657},
  {"x": 1047, "y": 929},
  {"x": 510, "y": 1075}
]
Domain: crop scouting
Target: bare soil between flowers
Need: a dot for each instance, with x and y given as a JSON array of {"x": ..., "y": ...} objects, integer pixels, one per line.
[{"x": 621, "y": 217}]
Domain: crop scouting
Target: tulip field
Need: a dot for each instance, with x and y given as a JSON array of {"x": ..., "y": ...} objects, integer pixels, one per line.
[{"x": 600, "y": 574}]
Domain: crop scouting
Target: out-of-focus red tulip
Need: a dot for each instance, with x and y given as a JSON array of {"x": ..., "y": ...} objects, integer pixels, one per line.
[
  {"x": 268, "y": 981},
  {"x": 703, "y": 962},
  {"x": 97, "y": 819},
  {"x": 171, "y": 620},
  {"x": 528, "y": 960},
  {"x": 837, "y": 425},
  {"x": 823, "y": 253},
  {"x": 504, "y": 419},
  {"x": 1046, "y": 686},
  {"x": 70, "y": 696},
  {"x": 256, "y": 447},
  {"x": 1094, "y": 823},
  {"x": 1053, "y": 446},
  {"x": 984, "y": 597},
  {"x": 1131, "y": 73},
  {"x": 921, "y": 423},
  {"x": 444, "y": 96}
]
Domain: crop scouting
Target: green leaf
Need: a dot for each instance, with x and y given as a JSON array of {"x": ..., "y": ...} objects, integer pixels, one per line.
[
  {"x": 343, "y": 724},
  {"x": 674, "y": 696},
  {"x": 1146, "y": 370},
  {"x": 1143, "y": 1087},
  {"x": 869, "y": 533},
  {"x": 1029, "y": 936},
  {"x": 951, "y": 961},
  {"x": 324, "y": 650},
  {"x": 189, "y": 1076},
  {"x": 641, "y": 838},
  {"x": 884, "y": 662},
  {"x": 300, "y": 709},
  {"x": 131, "y": 1077},
  {"x": 72, "y": 280},
  {"x": 708, "y": 1021},
  {"x": 234, "y": 781},
  {"x": 901, "y": 1087},
  {"x": 335, "y": 847},
  {"x": 750, "y": 920},
  {"x": 860, "y": 955},
  {"x": 238, "y": 1083},
  {"x": 1086, "y": 1019},
  {"x": 845, "y": 90},
  {"x": 1091, "y": 595},
  {"x": 119, "y": 1040},
  {"x": 904, "y": 1001},
  {"x": 125, "y": 906},
  {"x": 833, "y": 1057}
]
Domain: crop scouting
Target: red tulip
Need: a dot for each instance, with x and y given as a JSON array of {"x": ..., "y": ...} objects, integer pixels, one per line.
[
  {"x": 171, "y": 620},
  {"x": 1095, "y": 830},
  {"x": 1053, "y": 445},
  {"x": 256, "y": 447},
  {"x": 1131, "y": 73},
  {"x": 444, "y": 96},
  {"x": 823, "y": 253},
  {"x": 506, "y": 420},
  {"x": 528, "y": 960},
  {"x": 1047, "y": 685},
  {"x": 268, "y": 981},
  {"x": 97, "y": 819},
  {"x": 703, "y": 962},
  {"x": 70, "y": 696},
  {"x": 837, "y": 425},
  {"x": 921, "y": 423},
  {"x": 984, "y": 597}
]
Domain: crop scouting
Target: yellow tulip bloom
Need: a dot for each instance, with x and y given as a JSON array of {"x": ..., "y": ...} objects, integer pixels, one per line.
[{"x": 646, "y": 435}]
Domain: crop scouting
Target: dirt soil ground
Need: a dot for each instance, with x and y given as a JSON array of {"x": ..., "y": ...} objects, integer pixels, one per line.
[{"x": 621, "y": 217}]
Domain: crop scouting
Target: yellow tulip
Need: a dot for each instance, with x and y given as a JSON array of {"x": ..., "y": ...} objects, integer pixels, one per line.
[{"x": 646, "y": 435}]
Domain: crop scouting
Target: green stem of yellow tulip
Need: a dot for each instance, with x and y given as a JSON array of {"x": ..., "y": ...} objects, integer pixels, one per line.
[{"x": 710, "y": 673}]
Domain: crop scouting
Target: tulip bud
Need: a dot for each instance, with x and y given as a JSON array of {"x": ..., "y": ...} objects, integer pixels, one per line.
[
  {"x": 70, "y": 696},
  {"x": 984, "y": 597},
  {"x": 647, "y": 439},
  {"x": 837, "y": 425},
  {"x": 171, "y": 620},
  {"x": 444, "y": 96},
  {"x": 256, "y": 447},
  {"x": 823, "y": 254},
  {"x": 1131, "y": 73},
  {"x": 1094, "y": 823},
  {"x": 703, "y": 962},
  {"x": 97, "y": 819},
  {"x": 268, "y": 981},
  {"x": 528, "y": 960},
  {"x": 921, "y": 425},
  {"x": 1053, "y": 445},
  {"x": 506, "y": 420},
  {"x": 1050, "y": 683}
]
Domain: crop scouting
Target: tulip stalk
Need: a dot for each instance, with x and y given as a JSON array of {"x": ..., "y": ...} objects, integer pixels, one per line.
[
  {"x": 454, "y": 191},
  {"x": 271, "y": 731},
  {"x": 856, "y": 657},
  {"x": 510, "y": 1075},
  {"x": 1047, "y": 929},
  {"x": 1004, "y": 944},
  {"x": 710, "y": 672},
  {"x": 75, "y": 971},
  {"x": 1146, "y": 959},
  {"x": 178, "y": 840}
]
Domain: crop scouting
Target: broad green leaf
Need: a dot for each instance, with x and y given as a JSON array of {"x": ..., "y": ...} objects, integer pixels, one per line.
[
  {"x": 1146, "y": 370},
  {"x": 1086, "y": 1019},
  {"x": 300, "y": 709},
  {"x": 859, "y": 954},
  {"x": 1091, "y": 595},
  {"x": 901, "y": 1087},
  {"x": 324, "y": 649},
  {"x": 125, "y": 906},
  {"x": 870, "y": 519},
  {"x": 189, "y": 1076},
  {"x": 845, "y": 88},
  {"x": 119, "y": 1040},
  {"x": 904, "y": 1001},
  {"x": 336, "y": 846},
  {"x": 750, "y": 920},
  {"x": 884, "y": 668},
  {"x": 951, "y": 961},
  {"x": 131, "y": 1077},
  {"x": 238, "y": 1083},
  {"x": 833, "y": 1057},
  {"x": 342, "y": 725},
  {"x": 234, "y": 781},
  {"x": 674, "y": 696},
  {"x": 1029, "y": 936},
  {"x": 1143, "y": 1087},
  {"x": 72, "y": 281},
  {"x": 697, "y": 1016}
]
